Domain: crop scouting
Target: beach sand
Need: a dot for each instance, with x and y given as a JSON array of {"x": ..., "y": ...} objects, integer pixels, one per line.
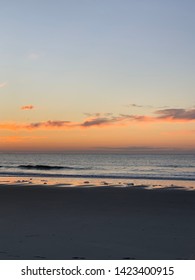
[{"x": 52, "y": 222}]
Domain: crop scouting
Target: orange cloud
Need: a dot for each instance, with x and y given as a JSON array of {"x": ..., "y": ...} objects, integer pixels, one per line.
[
  {"x": 17, "y": 138},
  {"x": 166, "y": 115},
  {"x": 38, "y": 125},
  {"x": 27, "y": 107},
  {"x": 11, "y": 126}
]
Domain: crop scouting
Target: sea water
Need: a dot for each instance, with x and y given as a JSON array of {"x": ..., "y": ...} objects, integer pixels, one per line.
[{"x": 128, "y": 167}]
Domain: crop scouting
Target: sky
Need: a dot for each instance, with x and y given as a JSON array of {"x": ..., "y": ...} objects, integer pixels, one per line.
[{"x": 97, "y": 74}]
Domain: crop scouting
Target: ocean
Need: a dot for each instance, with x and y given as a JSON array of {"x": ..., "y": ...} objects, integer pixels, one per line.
[{"x": 66, "y": 167}]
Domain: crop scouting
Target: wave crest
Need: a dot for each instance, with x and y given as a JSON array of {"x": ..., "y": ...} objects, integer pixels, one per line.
[{"x": 43, "y": 167}]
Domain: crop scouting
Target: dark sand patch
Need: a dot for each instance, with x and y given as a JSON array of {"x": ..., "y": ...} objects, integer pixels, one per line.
[{"x": 96, "y": 223}]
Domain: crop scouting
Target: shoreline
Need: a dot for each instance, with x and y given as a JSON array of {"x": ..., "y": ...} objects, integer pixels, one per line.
[
  {"x": 52, "y": 222},
  {"x": 94, "y": 182}
]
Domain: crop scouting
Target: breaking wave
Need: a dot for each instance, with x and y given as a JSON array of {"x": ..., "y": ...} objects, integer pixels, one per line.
[{"x": 48, "y": 167}]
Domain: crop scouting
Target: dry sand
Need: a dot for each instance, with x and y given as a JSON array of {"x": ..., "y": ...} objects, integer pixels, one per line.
[{"x": 44, "y": 222}]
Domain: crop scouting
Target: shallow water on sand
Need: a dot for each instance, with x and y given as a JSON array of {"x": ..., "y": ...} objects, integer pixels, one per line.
[{"x": 81, "y": 182}]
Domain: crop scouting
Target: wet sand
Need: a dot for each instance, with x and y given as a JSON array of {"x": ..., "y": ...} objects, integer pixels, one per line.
[{"x": 48, "y": 222}]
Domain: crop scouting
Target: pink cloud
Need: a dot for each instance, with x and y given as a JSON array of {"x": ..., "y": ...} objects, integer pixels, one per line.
[
  {"x": 2, "y": 85},
  {"x": 166, "y": 115},
  {"x": 27, "y": 107}
]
